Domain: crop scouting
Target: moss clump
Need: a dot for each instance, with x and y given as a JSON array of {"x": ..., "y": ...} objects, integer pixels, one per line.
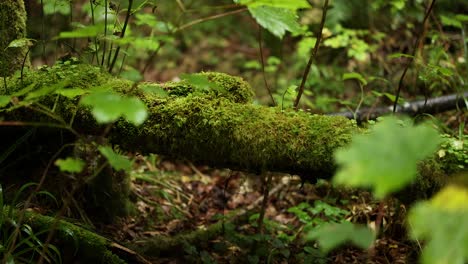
[{"x": 233, "y": 88}]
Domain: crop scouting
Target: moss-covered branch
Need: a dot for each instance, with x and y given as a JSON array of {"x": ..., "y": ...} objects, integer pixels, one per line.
[{"x": 221, "y": 128}]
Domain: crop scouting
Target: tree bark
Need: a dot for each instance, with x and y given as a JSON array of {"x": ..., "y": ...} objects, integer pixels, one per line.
[{"x": 12, "y": 27}]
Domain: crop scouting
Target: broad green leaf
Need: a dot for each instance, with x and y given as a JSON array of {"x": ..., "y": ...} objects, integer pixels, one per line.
[
  {"x": 356, "y": 76},
  {"x": 4, "y": 100},
  {"x": 72, "y": 92},
  {"x": 442, "y": 223},
  {"x": 109, "y": 106},
  {"x": 146, "y": 19},
  {"x": 330, "y": 236},
  {"x": 70, "y": 165},
  {"x": 290, "y": 4},
  {"x": 117, "y": 161},
  {"x": 276, "y": 20},
  {"x": 155, "y": 90},
  {"x": 83, "y": 32},
  {"x": 19, "y": 43},
  {"x": 461, "y": 17},
  {"x": 450, "y": 21},
  {"x": 200, "y": 82},
  {"x": 385, "y": 160},
  {"x": 45, "y": 90}
]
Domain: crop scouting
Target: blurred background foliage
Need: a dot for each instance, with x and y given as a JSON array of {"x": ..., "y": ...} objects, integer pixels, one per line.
[{"x": 169, "y": 37}]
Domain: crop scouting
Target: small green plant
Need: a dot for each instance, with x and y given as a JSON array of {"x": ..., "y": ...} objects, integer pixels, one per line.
[
  {"x": 318, "y": 214},
  {"x": 18, "y": 241}
]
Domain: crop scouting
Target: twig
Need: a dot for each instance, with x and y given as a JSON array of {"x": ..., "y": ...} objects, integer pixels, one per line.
[
  {"x": 197, "y": 21},
  {"x": 263, "y": 64},
  {"x": 266, "y": 190},
  {"x": 313, "y": 55},
  {"x": 127, "y": 17},
  {"x": 413, "y": 53}
]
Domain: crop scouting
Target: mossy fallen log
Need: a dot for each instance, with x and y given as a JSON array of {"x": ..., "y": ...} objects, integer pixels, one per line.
[
  {"x": 217, "y": 127},
  {"x": 75, "y": 244},
  {"x": 222, "y": 129}
]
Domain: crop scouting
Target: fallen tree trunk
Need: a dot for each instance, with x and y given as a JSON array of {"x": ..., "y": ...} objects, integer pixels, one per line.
[
  {"x": 430, "y": 106},
  {"x": 221, "y": 129}
]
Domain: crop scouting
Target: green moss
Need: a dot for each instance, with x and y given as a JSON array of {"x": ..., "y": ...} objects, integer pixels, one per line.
[
  {"x": 13, "y": 26},
  {"x": 233, "y": 88},
  {"x": 84, "y": 245},
  {"x": 219, "y": 132}
]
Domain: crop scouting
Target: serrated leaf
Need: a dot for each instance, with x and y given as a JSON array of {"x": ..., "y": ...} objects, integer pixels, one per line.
[
  {"x": 442, "y": 223},
  {"x": 276, "y": 20},
  {"x": 70, "y": 165},
  {"x": 386, "y": 159},
  {"x": 117, "y": 161},
  {"x": 356, "y": 76},
  {"x": 71, "y": 93},
  {"x": 108, "y": 106},
  {"x": 329, "y": 236}
]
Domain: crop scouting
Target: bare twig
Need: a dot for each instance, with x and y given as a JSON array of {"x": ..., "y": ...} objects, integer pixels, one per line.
[
  {"x": 263, "y": 64},
  {"x": 313, "y": 55},
  {"x": 201, "y": 20}
]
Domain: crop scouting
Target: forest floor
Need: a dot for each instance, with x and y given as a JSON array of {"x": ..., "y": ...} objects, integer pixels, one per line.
[{"x": 179, "y": 197}]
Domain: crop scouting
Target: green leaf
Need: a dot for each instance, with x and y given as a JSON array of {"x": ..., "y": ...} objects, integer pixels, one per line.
[
  {"x": 400, "y": 55},
  {"x": 117, "y": 161},
  {"x": 70, "y": 165},
  {"x": 276, "y": 20},
  {"x": 449, "y": 21},
  {"x": 330, "y": 236},
  {"x": 22, "y": 42},
  {"x": 461, "y": 17},
  {"x": 386, "y": 159},
  {"x": 200, "y": 82},
  {"x": 356, "y": 76},
  {"x": 290, "y": 4},
  {"x": 443, "y": 223},
  {"x": 83, "y": 31},
  {"x": 4, "y": 100},
  {"x": 71, "y": 93},
  {"x": 109, "y": 106},
  {"x": 155, "y": 90}
]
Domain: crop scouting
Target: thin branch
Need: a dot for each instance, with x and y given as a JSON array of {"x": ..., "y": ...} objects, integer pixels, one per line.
[
  {"x": 313, "y": 55},
  {"x": 127, "y": 17},
  {"x": 201, "y": 20},
  {"x": 413, "y": 53},
  {"x": 263, "y": 64}
]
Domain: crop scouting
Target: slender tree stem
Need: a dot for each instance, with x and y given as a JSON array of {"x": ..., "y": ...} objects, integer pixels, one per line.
[
  {"x": 263, "y": 64},
  {"x": 127, "y": 17},
  {"x": 201, "y": 20},
  {"x": 413, "y": 53},
  {"x": 312, "y": 56}
]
